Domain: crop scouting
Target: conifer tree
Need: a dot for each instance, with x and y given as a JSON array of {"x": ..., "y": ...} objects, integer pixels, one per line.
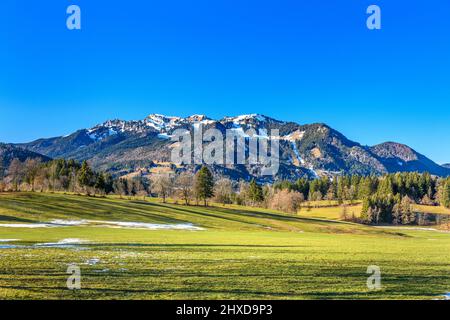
[
  {"x": 85, "y": 176},
  {"x": 204, "y": 185},
  {"x": 255, "y": 192},
  {"x": 100, "y": 183},
  {"x": 446, "y": 194}
]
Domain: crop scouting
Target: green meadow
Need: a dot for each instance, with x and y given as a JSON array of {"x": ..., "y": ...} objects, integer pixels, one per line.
[{"x": 239, "y": 252}]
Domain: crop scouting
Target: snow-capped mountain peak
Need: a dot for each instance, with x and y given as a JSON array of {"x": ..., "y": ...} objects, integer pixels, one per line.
[
  {"x": 197, "y": 118},
  {"x": 250, "y": 118},
  {"x": 161, "y": 122},
  {"x": 303, "y": 148}
]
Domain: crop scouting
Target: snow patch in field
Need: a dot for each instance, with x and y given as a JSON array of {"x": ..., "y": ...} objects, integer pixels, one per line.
[
  {"x": 64, "y": 243},
  {"x": 68, "y": 222},
  {"x": 150, "y": 226},
  {"x": 414, "y": 229},
  {"x": 114, "y": 224},
  {"x": 72, "y": 241},
  {"x": 52, "y": 224},
  {"x": 410, "y": 228},
  {"x": 27, "y": 225},
  {"x": 9, "y": 246},
  {"x": 93, "y": 261}
]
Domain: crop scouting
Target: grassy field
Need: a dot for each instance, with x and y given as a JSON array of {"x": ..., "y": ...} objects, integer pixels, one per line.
[
  {"x": 240, "y": 253},
  {"x": 431, "y": 209}
]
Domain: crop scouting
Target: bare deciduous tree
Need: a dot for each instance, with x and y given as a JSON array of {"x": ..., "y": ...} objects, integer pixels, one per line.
[
  {"x": 162, "y": 185},
  {"x": 15, "y": 171},
  {"x": 287, "y": 201},
  {"x": 32, "y": 170},
  {"x": 223, "y": 191},
  {"x": 184, "y": 186}
]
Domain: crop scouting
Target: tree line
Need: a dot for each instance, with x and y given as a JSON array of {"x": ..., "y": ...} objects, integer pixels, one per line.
[
  {"x": 386, "y": 199},
  {"x": 55, "y": 175}
]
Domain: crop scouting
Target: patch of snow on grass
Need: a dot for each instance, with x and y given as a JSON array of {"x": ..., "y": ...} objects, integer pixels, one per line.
[
  {"x": 410, "y": 228},
  {"x": 72, "y": 241},
  {"x": 68, "y": 222},
  {"x": 64, "y": 243},
  {"x": 92, "y": 261},
  {"x": 116, "y": 224},
  {"x": 9, "y": 246},
  {"x": 151, "y": 226},
  {"x": 52, "y": 224},
  {"x": 27, "y": 225}
]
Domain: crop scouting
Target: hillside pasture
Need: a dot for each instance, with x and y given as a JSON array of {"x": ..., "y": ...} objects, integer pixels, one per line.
[{"x": 237, "y": 252}]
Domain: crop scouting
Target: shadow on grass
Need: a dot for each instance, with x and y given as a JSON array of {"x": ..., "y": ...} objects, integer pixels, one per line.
[
  {"x": 14, "y": 219},
  {"x": 243, "y": 212},
  {"x": 193, "y": 245},
  {"x": 83, "y": 207}
]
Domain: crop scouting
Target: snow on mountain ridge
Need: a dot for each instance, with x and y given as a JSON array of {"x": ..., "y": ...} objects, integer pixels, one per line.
[
  {"x": 243, "y": 119},
  {"x": 310, "y": 149},
  {"x": 162, "y": 123}
]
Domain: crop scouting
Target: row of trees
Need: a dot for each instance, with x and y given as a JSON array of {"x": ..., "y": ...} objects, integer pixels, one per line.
[
  {"x": 185, "y": 186},
  {"x": 202, "y": 187},
  {"x": 421, "y": 188},
  {"x": 55, "y": 175},
  {"x": 391, "y": 202},
  {"x": 386, "y": 199},
  {"x": 71, "y": 176}
]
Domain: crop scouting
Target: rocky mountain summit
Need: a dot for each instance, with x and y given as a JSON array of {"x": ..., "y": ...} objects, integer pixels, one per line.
[{"x": 306, "y": 150}]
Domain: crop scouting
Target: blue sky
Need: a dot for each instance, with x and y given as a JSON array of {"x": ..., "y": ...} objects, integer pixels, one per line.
[{"x": 304, "y": 61}]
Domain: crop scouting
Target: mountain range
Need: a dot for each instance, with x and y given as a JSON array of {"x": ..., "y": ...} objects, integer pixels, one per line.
[{"x": 309, "y": 150}]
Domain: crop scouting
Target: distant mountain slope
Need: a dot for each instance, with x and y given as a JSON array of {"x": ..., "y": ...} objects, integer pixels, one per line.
[
  {"x": 399, "y": 157},
  {"x": 8, "y": 152},
  {"x": 310, "y": 150},
  {"x": 447, "y": 165}
]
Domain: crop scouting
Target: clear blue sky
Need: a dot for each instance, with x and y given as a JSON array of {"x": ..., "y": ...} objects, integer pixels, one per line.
[{"x": 305, "y": 61}]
